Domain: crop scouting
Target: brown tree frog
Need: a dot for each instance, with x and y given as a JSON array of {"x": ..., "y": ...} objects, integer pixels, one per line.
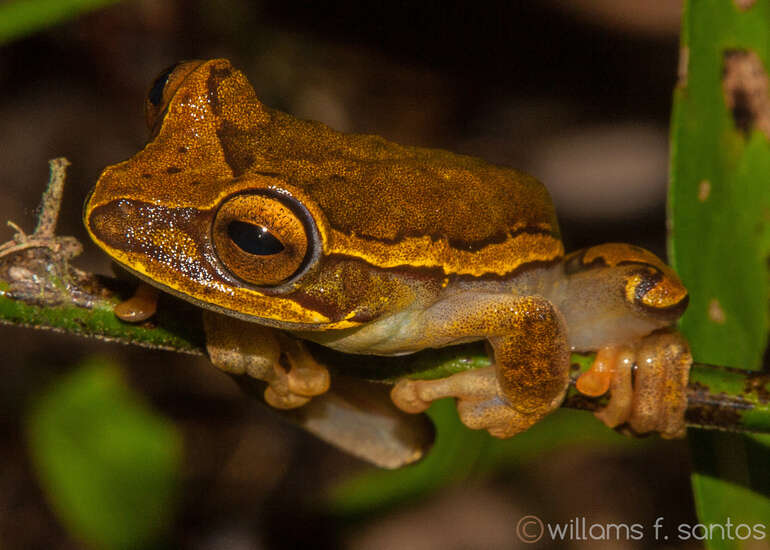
[{"x": 370, "y": 247}]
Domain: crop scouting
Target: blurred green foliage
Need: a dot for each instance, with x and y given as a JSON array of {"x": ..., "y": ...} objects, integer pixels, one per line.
[
  {"x": 106, "y": 462},
  {"x": 109, "y": 465},
  {"x": 719, "y": 209},
  {"x": 19, "y": 18},
  {"x": 460, "y": 453}
]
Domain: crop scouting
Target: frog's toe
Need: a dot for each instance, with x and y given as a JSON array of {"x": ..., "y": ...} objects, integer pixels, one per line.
[
  {"x": 139, "y": 307},
  {"x": 479, "y": 404},
  {"x": 596, "y": 381},
  {"x": 289, "y": 390},
  {"x": 619, "y": 361},
  {"x": 306, "y": 376},
  {"x": 414, "y": 396},
  {"x": 660, "y": 388},
  {"x": 495, "y": 416},
  {"x": 653, "y": 398},
  {"x": 280, "y": 400},
  {"x": 309, "y": 381},
  {"x": 406, "y": 396}
]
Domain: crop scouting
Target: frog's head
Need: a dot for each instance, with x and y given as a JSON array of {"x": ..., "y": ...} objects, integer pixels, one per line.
[
  {"x": 177, "y": 215},
  {"x": 246, "y": 210}
]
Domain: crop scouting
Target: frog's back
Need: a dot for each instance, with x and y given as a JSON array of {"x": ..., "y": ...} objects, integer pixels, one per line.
[
  {"x": 477, "y": 217},
  {"x": 423, "y": 207}
]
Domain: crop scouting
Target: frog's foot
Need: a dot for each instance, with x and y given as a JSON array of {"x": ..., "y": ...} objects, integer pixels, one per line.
[
  {"x": 239, "y": 347},
  {"x": 653, "y": 396},
  {"x": 618, "y": 363},
  {"x": 297, "y": 377},
  {"x": 480, "y": 405},
  {"x": 139, "y": 307},
  {"x": 660, "y": 388},
  {"x": 596, "y": 380}
]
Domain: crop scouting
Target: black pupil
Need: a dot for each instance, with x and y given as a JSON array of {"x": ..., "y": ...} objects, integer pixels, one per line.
[
  {"x": 254, "y": 239},
  {"x": 156, "y": 92}
]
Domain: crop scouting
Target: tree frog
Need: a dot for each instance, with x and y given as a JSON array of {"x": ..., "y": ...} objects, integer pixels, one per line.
[{"x": 285, "y": 230}]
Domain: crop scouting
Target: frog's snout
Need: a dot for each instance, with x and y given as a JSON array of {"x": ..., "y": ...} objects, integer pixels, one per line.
[
  {"x": 109, "y": 223},
  {"x": 657, "y": 290}
]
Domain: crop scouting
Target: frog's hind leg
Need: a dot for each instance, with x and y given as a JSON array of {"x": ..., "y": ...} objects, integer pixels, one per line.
[
  {"x": 648, "y": 388},
  {"x": 660, "y": 387},
  {"x": 531, "y": 365},
  {"x": 239, "y": 347},
  {"x": 479, "y": 403}
]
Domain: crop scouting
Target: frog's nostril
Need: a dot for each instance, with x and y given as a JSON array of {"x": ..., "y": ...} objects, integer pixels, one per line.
[
  {"x": 663, "y": 294},
  {"x": 125, "y": 208}
]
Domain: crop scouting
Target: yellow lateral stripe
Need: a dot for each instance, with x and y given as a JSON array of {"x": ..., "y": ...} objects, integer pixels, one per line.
[{"x": 495, "y": 258}]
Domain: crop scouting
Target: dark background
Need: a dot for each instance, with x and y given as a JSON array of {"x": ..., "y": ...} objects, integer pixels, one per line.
[{"x": 576, "y": 93}]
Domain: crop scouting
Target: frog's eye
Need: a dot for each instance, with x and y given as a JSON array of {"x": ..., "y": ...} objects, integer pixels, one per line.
[
  {"x": 263, "y": 240},
  {"x": 163, "y": 89}
]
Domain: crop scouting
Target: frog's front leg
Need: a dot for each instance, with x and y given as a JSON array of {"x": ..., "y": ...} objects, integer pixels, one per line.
[
  {"x": 240, "y": 347},
  {"x": 531, "y": 362}
]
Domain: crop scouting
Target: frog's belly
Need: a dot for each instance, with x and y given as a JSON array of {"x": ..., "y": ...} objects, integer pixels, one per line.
[{"x": 398, "y": 334}]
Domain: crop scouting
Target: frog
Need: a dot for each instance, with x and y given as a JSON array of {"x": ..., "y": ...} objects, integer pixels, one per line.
[{"x": 285, "y": 231}]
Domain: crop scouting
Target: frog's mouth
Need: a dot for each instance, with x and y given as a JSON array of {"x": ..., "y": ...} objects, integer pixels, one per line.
[
  {"x": 171, "y": 248},
  {"x": 163, "y": 243}
]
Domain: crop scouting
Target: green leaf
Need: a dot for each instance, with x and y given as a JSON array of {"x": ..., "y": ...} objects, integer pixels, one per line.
[
  {"x": 22, "y": 17},
  {"x": 720, "y": 207},
  {"x": 107, "y": 464}
]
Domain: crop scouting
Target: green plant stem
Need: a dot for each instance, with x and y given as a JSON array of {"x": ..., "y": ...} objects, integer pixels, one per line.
[{"x": 39, "y": 288}]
